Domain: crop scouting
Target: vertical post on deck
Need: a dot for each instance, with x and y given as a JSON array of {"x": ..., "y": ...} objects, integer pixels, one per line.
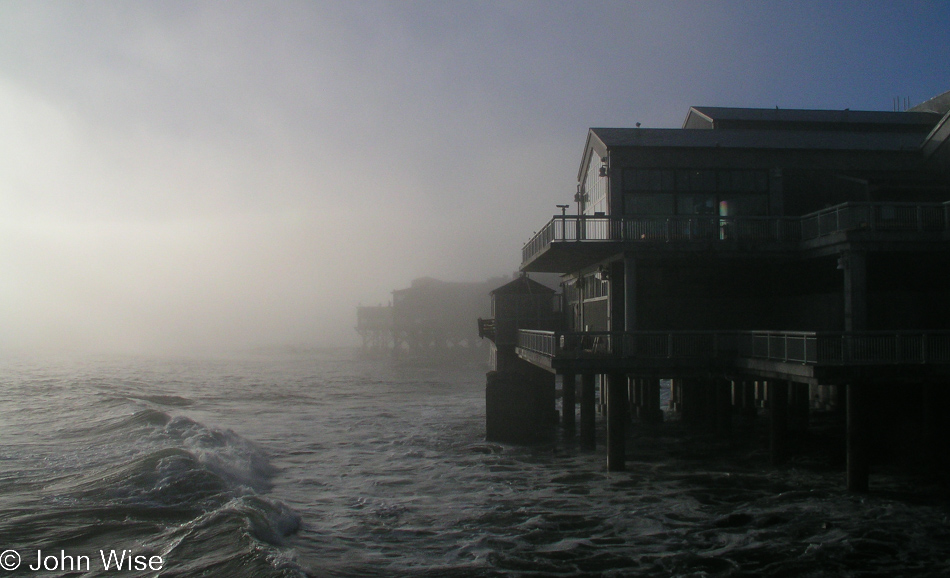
[
  {"x": 588, "y": 419},
  {"x": 859, "y": 467},
  {"x": 616, "y": 421},
  {"x": 568, "y": 400},
  {"x": 778, "y": 420}
]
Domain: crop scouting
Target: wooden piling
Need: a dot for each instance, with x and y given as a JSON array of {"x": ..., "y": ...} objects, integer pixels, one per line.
[
  {"x": 588, "y": 418},
  {"x": 650, "y": 411},
  {"x": 778, "y": 420},
  {"x": 723, "y": 397},
  {"x": 568, "y": 401},
  {"x": 616, "y": 421},
  {"x": 858, "y": 457}
]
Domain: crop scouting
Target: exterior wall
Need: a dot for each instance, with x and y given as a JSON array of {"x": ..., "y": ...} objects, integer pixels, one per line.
[
  {"x": 908, "y": 291},
  {"x": 595, "y": 187},
  {"x": 514, "y": 311}
]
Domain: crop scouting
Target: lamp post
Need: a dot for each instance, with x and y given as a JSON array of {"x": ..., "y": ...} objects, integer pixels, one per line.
[{"x": 563, "y": 220}]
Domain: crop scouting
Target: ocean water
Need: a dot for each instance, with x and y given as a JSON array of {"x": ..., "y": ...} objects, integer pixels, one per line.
[{"x": 322, "y": 464}]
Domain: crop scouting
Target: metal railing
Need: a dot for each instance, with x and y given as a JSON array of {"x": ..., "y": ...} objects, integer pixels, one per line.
[
  {"x": 807, "y": 348},
  {"x": 640, "y": 344},
  {"x": 919, "y": 217},
  {"x": 876, "y": 217},
  {"x": 794, "y": 346}
]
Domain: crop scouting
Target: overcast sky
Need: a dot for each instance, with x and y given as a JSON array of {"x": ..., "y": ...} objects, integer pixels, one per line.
[{"x": 188, "y": 176}]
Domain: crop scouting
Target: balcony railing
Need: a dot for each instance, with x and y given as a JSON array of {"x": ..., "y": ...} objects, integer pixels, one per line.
[
  {"x": 640, "y": 344},
  {"x": 807, "y": 348},
  {"x": 876, "y": 217},
  {"x": 762, "y": 230}
]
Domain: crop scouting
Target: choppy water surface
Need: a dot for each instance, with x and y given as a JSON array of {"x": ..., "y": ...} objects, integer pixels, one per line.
[{"x": 322, "y": 464}]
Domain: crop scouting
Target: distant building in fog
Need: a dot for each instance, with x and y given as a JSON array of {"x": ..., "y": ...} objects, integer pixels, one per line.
[{"x": 429, "y": 320}]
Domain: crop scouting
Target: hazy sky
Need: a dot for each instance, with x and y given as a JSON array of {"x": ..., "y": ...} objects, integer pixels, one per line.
[{"x": 182, "y": 176}]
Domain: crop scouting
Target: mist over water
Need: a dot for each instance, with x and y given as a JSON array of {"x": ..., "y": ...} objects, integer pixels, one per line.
[{"x": 322, "y": 464}]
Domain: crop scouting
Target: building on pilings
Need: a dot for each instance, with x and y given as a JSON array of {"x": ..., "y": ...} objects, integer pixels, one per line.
[
  {"x": 375, "y": 327},
  {"x": 431, "y": 320},
  {"x": 756, "y": 251}
]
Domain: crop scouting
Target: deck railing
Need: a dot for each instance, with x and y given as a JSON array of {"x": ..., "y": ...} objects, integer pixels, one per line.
[
  {"x": 876, "y": 217},
  {"x": 641, "y": 344},
  {"x": 807, "y": 348},
  {"x": 652, "y": 229}
]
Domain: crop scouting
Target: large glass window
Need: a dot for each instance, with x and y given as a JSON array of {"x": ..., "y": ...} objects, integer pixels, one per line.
[
  {"x": 743, "y": 205},
  {"x": 696, "y": 204},
  {"x": 649, "y": 203},
  {"x": 725, "y": 192}
]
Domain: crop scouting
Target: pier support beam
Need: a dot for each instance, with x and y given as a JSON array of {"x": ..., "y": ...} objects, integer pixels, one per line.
[
  {"x": 749, "y": 409},
  {"x": 588, "y": 417},
  {"x": 799, "y": 406},
  {"x": 778, "y": 421},
  {"x": 689, "y": 403},
  {"x": 723, "y": 404},
  {"x": 568, "y": 401},
  {"x": 650, "y": 411},
  {"x": 859, "y": 467},
  {"x": 616, "y": 421},
  {"x": 930, "y": 405},
  {"x": 854, "y": 264}
]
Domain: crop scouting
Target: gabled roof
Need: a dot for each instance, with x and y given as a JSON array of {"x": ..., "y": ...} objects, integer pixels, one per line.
[
  {"x": 523, "y": 285},
  {"x": 939, "y": 104},
  {"x": 714, "y": 117}
]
